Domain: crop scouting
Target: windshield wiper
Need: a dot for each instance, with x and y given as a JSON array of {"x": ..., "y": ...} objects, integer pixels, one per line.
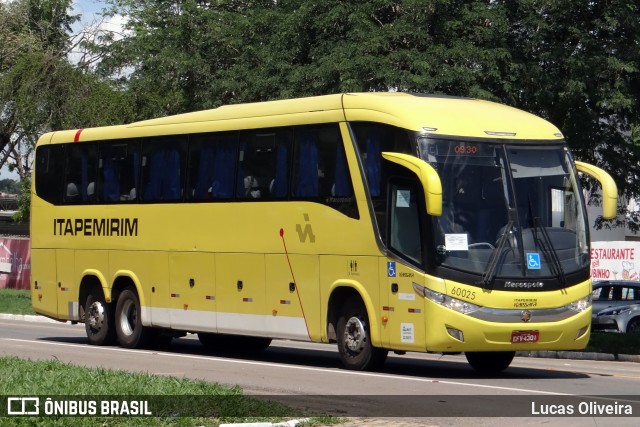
[
  {"x": 546, "y": 246},
  {"x": 492, "y": 265}
]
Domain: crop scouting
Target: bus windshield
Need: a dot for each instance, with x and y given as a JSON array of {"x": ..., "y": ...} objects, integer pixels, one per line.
[{"x": 509, "y": 211}]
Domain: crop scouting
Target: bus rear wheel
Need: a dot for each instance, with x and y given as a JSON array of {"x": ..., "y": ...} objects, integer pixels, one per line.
[
  {"x": 131, "y": 333},
  {"x": 490, "y": 362},
  {"x": 98, "y": 320},
  {"x": 354, "y": 338}
]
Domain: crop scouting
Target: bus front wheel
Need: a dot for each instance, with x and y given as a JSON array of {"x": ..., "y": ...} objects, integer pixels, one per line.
[
  {"x": 490, "y": 362},
  {"x": 354, "y": 338},
  {"x": 131, "y": 333},
  {"x": 98, "y": 320}
]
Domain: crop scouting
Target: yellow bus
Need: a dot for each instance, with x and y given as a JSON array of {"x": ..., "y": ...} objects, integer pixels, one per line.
[{"x": 377, "y": 221}]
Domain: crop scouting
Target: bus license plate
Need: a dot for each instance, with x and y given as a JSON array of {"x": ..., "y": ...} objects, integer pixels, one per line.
[{"x": 518, "y": 337}]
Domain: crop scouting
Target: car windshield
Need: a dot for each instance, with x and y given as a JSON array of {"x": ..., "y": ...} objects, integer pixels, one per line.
[{"x": 509, "y": 211}]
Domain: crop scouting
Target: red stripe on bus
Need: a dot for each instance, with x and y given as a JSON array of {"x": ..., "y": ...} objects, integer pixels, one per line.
[{"x": 77, "y": 137}]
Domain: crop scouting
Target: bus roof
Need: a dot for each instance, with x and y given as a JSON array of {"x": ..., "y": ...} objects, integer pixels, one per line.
[{"x": 435, "y": 114}]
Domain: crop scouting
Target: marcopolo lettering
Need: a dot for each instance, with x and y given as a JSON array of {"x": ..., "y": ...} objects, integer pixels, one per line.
[{"x": 122, "y": 227}]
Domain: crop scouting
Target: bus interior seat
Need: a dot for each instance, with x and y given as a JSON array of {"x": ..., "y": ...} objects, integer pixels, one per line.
[
  {"x": 91, "y": 190},
  {"x": 251, "y": 187},
  {"x": 72, "y": 192}
]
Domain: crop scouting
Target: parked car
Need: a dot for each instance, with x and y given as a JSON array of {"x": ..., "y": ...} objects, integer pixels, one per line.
[
  {"x": 625, "y": 318},
  {"x": 614, "y": 293},
  {"x": 616, "y": 306}
]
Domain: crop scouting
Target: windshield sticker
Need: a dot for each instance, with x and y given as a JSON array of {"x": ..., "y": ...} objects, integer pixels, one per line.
[
  {"x": 403, "y": 199},
  {"x": 533, "y": 261},
  {"x": 456, "y": 242}
]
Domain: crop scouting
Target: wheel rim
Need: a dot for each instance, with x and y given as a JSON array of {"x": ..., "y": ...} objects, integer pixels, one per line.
[
  {"x": 634, "y": 328},
  {"x": 129, "y": 318},
  {"x": 354, "y": 335},
  {"x": 95, "y": 316}
]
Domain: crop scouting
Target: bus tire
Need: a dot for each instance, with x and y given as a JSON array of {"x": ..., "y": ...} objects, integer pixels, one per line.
[
  {"x": 98, "y": 320},
  {"x": 128, "y": 320},
  {"x": 490, "y": 362},
  {"x": 354, "y": 338}
]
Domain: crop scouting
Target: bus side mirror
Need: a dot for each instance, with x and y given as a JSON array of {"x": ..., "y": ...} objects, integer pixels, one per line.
[
  {"x": 609, "y": 188},
  {"x": 427, "y": 175}
]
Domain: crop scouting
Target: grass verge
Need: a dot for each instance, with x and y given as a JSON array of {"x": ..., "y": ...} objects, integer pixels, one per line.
[
  {"x": 180, "y": 398},
  {"x": 609, "y": 342},
  {"x": 15, "y": 301}
]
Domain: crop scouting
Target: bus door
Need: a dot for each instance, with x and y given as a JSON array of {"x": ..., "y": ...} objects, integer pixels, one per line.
[
  {"x": 293, "y": 296},
  {"x": 405, "y": 325},
  {"x": 402, "y": 308},
  {"x": 240, "y": 293},
  {"x": 193, "y": 291},
  {"x": 44, "y": 287}
]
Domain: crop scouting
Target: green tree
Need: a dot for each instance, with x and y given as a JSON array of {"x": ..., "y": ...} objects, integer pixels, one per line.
[
  {"x": 40, "y": 90},
  {"x": 576, "y": 64},
  {"x": 173, "y": 53},
  {"x": 572, "y": 62}
]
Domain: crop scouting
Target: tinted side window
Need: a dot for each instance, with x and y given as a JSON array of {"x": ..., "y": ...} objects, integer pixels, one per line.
[
  {"x": 372, "y": 139},
  {"x": 212, "y": 166},
  {"x": 630, "y": 293},
  {"x": 404, "y": 222},
  {"x": 263, "y": 164},
  {"x": 163, "y": 166},
  {"x": 320, "y": 169},
  {"x": 80, "y": 173},
  {"x": 598, "y": 294},
  {"x": 119, "y": 171},
  {"x": 607, "y": 293},
  {"x": 48, "y": 163}
]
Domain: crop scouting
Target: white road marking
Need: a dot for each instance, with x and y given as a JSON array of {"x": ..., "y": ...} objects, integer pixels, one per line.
[{"x": 295, "y": 367}]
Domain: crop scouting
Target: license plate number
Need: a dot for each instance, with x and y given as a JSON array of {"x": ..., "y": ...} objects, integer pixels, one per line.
[{"x": 518, "y": 337}]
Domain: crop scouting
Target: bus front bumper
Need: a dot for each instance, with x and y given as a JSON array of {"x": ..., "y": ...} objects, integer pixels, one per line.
[{"x": 505, "y": 330}]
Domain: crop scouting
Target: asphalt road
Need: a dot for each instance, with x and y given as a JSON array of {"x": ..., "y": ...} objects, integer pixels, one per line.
[{"x": 419, "y": 387}]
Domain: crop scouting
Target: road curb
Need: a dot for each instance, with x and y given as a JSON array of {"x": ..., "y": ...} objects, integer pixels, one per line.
[
  {"x": 580, "y": 355},
  {"x": 548, "y": 354},
  {"x": 28, "y": 318}
]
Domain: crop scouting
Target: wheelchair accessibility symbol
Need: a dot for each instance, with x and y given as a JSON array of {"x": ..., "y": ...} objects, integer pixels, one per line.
[
  {"x": 391, "y": 269},
  {"x": 533, "y": 261}
]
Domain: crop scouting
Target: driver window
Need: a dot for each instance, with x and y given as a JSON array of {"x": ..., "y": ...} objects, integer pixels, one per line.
[{"x": 404, "y": 227}]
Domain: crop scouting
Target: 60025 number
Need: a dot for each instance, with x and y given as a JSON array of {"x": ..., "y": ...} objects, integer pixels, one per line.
[{"x": 464, "y": 293}]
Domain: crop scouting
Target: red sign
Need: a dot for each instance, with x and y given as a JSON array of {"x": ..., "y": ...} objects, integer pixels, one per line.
[{"x": 15, "y": 263}]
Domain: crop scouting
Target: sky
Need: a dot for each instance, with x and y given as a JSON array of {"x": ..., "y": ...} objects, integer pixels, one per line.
[
  {"x": 90, "y": 15},
  {"x": 88, "y": 6}
]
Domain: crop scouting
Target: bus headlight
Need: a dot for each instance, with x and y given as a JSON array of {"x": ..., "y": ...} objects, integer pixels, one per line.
[
  {"x": 580, "y": 305},
  {"x": 455, "y": 304}
]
